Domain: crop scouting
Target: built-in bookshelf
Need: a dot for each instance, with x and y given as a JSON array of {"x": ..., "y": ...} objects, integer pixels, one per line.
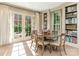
[
  {"x": 71, "y": 23},
  {"x": 45, "y": 21}
]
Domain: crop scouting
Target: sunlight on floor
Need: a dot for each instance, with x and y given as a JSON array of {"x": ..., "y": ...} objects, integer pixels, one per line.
[
  {"x": 18, "y": 50},
  {"x": 32, "y": 48}
]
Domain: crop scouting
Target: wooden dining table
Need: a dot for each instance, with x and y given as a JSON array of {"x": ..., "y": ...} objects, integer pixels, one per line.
[{"x": 45, "y": 34}]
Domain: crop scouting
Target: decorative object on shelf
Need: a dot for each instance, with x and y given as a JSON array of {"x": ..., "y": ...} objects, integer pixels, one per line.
[{"x": 45, "y": 21}]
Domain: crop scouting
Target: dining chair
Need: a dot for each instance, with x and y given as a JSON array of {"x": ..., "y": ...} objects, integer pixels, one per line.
[
  {"x": 50, "y": 35},
  {"x": 59, "y": 43},
  {"x": 34, "y": 39},
  {"x": 41, "y": 42}
]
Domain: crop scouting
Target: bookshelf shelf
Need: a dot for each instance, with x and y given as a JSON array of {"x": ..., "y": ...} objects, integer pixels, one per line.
[
  {"x": 71, "y": 29},
  {"x": 71, "y": 12},
  {"x": 70, "y": 17},
  {"x": 72, "y": 36},
  {"x": 71, "y": 24}
]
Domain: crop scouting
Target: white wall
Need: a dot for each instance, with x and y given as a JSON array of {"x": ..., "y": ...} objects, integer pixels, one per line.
[
  {"x": 4, "y": 24},
  {"x": 37, "y": 21}
]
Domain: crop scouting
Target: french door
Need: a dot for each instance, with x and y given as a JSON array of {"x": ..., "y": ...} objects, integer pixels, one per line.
[{"x": 17, "y": 25}]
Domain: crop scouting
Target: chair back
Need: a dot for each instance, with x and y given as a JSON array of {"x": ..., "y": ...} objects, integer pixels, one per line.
[
  {"x": 41, "y": 32},
  {"x": 62, "y": 39},
  {"x": 48, "y": 32},
  {"x": 34, "y": 35},
  {"x": 40, "y": 39},
  {"x": 55, "y": 37}
]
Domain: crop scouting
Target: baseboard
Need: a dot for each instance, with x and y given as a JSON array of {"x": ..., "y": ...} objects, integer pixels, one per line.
[{"x": 72, "y": 44}]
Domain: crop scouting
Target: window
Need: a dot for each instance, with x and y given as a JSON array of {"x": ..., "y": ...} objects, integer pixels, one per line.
[
  {"x": 17, "y": 23},
  {"x": 56, "y": 23},
  {"x": 28, "y": 25}
]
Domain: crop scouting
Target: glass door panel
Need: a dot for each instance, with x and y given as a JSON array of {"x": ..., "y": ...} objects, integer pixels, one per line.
[
  {"x": 17, "y": 25},
  {"x": 28, "y": 25}
]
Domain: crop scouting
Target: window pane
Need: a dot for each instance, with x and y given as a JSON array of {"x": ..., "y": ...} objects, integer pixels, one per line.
[
  {"x": 28, "y": 25},
  {"x": 20, "y": 17},
  {"x": 15, "y": 28},
  {"x": 20, "y": 29},
  {"x": 17, "y": 23},
  {"x": 15, "y": 17}
]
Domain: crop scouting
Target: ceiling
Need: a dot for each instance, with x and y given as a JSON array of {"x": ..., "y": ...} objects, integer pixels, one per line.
[{"x": 37, "y": 6}]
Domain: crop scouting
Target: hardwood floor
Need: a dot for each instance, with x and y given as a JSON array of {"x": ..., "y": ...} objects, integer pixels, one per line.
[{"x": 23, "y": 49}]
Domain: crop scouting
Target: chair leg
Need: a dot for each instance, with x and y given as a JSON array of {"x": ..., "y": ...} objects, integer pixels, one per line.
[
  {"x": 53, "y": 47},
  {"x": 36, "y": 48},
  {"x": 64, "y": 49},
  {"x": 50, "y": 49},
  {"x": 31, "y": 44},
  {"x": 56, "y": 48},
  {"x": 60, "y": 51},
  {"x": 42, "y": 50}
]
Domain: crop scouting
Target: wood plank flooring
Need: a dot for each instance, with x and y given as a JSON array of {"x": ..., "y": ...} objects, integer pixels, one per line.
[{"x": 23, "y": 49}]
